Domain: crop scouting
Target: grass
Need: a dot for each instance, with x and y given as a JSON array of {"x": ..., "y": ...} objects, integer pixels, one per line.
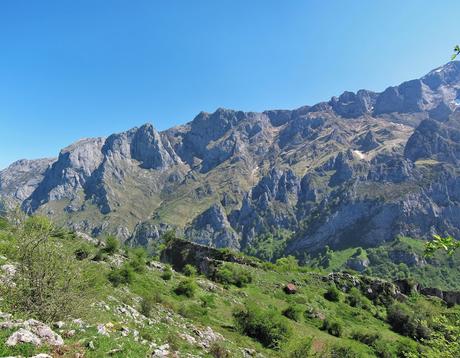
[{"x": 213, "y": 305}]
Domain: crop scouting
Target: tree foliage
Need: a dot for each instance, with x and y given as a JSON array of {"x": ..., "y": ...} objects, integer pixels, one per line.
[
  {"x": 49, "y": 283},
  {"x": 439, "y": 243},
  {"x": 456, "y": 52}
]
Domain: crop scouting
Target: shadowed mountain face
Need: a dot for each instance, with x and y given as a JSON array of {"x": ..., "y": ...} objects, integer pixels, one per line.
[{"x": 357, "y": 170}]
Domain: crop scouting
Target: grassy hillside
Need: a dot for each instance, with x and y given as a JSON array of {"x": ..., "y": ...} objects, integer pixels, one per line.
[
  {"x": 400, "y": 259},
  {"x": 132, "y": 305}
]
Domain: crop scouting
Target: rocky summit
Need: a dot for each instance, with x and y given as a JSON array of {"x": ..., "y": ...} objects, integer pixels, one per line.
[{"x": 357, "y": 170}]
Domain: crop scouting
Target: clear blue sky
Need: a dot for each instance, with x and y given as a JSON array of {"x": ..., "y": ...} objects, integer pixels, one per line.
[{"x": 71, "y": 69}]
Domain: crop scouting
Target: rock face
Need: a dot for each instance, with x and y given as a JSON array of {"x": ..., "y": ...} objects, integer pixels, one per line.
[
  {"x": 357, "y": 170},
  {"x": 20, "y": 179},
  {"x": 179, "y": 253},
  {"x": 213, "y": 229}
]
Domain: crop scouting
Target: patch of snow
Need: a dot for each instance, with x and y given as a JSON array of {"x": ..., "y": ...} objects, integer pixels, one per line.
[{"x": 359, "y": 154}]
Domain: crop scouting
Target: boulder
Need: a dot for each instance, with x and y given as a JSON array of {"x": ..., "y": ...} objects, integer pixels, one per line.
[
  {"x": 23, "y": 336},
  {"x": 44, "y": 332},
  {"x": 290, "y": 289},
  {"x": 161, "y": 351}
]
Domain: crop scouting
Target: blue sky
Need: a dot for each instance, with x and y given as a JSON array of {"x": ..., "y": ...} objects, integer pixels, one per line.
[{"x": 72, "y": 69}]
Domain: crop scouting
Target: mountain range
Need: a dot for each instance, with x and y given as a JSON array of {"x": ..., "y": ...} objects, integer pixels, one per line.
[{"x": 358, "y": 170}]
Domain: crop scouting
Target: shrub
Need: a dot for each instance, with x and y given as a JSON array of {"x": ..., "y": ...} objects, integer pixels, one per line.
[
  {"x": 186, "y": 288},
  {"x": 332, "y": 294},
  {"x": 168, "y": 237},
  {"x": 293, "y": 312},
  {"x": 207, "y": 301},
  {"x": 167, "y": 273},
  {"x": 189, "y": 270},
  {"x": 339, "y": 351},
  {"x": 288, "y": 263},
  {"x": 232, "y": 274},
  {"x": 192, "y": 311},
  {"x": 99, "y": 256},
  {"x": 138, "y": 259},
  {"x": 266, "y": 326},
  {"x": 111, "y": 245},
  {"x": 147, "y": 304},
  {"x": 217, "y": 350},
  {"x": 403, "y": 321},
  {"x": 82, "y": 253},
  {"x": 301, "y": 349},
  {"x": 356, "y": 299},
  {"x": 366, "y": 337},
  {"x": 3, "y": 221},
  {"x": 334, "y": 328},
  {"x": 119, "y": 276},
  {"x": 49, "y": 284}
]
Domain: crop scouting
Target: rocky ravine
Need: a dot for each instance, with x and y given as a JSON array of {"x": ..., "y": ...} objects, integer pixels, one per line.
[{"x": 357, "y": 170}]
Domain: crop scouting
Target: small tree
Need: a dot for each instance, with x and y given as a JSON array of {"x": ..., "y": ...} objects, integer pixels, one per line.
[
  {"x": 186, "y": 288},
  {"x": 167, "y": 273},
  {"x": 112, "y": 245},
  {"x": 138, "y": 259},
  {"x": 49, "y": 283},
  {"x": 189, "y": 270},
  {"x": 121, "y": 276},
  {"x": 293, "y": 312},
  {"x": 266, "y": 326},
  {"x": 332, "y": 294}
]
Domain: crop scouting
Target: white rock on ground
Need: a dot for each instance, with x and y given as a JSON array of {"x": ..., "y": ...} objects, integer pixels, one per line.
[
  {"x": 44, "y": 332},
  {"x": 161, "y": 351},
  {"x": 23, "y": 336}
]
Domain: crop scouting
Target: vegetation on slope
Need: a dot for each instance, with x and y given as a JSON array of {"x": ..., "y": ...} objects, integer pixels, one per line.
[
  {"x": 136, "y": 305},
  {"x": 403, "y": 258}
]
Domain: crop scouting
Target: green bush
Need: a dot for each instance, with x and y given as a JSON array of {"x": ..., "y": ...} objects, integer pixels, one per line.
[
  {"x": 192, "y": 311},
  {"x": 266, "y": 326},
  {"x": 356, "y": 299},
  {"x": 82, "y": 253},
  {"x": 300, "y": 348},
  {"x": 49, "y": 283},
  {"x": 403, "y": 321},
  {"x": 366, "y": 337},
  {"x": 189, "y": 270},
  {"x": 147, "y": 304},
  {"x": 293, "y": 312},
  {"x": 186, "y": 288},
  {"x": 229, "y": 274},
  {"x": 99, "y": 256},
  {"x": 334, "y": 328},
  {"x": 138, "y": 259},
  {"x": 340, "y": 351},
  {"x": 3, "y": 222},
  {"x": 217, "y": 350},
  {"x": 332, "y": 294},
  {"x": 111, "y": 245},
  {"x": 288, "y": 263},
  {"x": 121, "y": 276},
  {"x": 167, "y": 273},
  {"x": 207, "y": 301}
]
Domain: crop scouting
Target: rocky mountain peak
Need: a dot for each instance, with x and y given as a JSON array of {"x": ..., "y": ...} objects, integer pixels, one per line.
[
  {"x": 352, "y": 105},
  {"x": 21, "y": 178},
  {"x": 447, "y": 75},
  {"x": 325, "y": 172}
]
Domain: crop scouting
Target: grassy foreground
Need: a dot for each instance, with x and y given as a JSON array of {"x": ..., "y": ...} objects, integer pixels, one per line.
[{"x": 128, "y": 304}]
